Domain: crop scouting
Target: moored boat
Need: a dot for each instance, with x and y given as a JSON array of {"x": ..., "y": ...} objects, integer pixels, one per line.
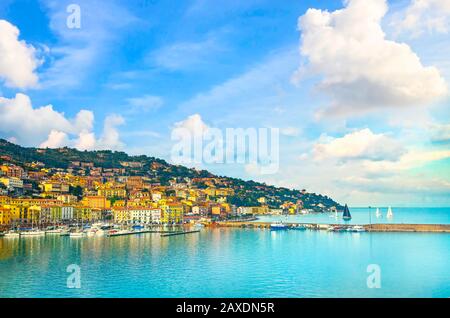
[
  {"x": 12, "y": 234},
  {"x": 32, "y": 233},
  {"x": 278, "y": 226},
  {"x": 77, "y": 234},
  {"x": 356, "y": 228}
]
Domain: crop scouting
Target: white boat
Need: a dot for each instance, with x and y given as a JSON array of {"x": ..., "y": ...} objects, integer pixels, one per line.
[
  {"x": 32, "y": 233},
  {"x": 54, "y": 231},
  {"x": 378, "y": 213},
  {"x": 77, "y": 234},
  {"x": 356, "y": 228},
  {"x": 278, "y": 226},
  {"x": 12, "y": 234},
  {"x": 390, "y": 215}
]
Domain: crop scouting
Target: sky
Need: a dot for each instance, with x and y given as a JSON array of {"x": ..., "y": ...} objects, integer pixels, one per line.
[{"x": 358, "y": 89}]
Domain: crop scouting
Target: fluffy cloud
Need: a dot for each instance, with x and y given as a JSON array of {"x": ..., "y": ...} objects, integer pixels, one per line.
[
  {"x": 424, "y": 15},
  {"x": 45, "y": 127},
  {"x": 192, "y": 124},
  {"x": 361, "y": 69},
  {"x": 361, "y": 144},
  {"x": 30, "y": 125},
  {"x": 110, "y": 138},
  {"x": 18, "y": 60}
]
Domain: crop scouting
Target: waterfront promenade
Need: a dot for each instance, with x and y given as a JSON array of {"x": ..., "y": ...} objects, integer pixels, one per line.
[{"x": 434, "y": 228}]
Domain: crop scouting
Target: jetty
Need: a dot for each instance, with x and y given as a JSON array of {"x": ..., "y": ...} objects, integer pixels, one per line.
[
  {"x": 389, "y": 227},
  {"x": 180, "y": 233}
]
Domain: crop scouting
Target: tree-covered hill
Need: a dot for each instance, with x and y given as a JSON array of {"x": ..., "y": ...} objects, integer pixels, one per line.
[{"x": 246, "y": 193}]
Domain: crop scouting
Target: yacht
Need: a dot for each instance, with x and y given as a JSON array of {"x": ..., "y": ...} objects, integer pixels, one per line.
[
  {"x": 346, "y": 216},
  {"x": 12, "y": 234},
  {"x": 77, "y": 234},
  {"x": 278, "y": 226},
  {"x": 378, "y": 213},
  {"x": 390, "y": 215},
  {"x": 356, "y": 228},
  {"x": 32, "y": 233}
]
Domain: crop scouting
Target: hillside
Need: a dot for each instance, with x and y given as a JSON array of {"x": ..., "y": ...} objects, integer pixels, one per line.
[{"x": 246, "y": 193}]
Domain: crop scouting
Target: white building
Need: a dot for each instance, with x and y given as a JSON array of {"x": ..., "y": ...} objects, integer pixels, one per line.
[{"x": 67, "y": 212}]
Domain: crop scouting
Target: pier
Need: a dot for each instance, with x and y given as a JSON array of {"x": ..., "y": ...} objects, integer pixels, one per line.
[
  {"x": 390, "y": 227},
  {"x": 180, "y": 233}
]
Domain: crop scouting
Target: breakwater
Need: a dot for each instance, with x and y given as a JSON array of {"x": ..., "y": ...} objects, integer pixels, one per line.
[{"x": 433, "y": 228}]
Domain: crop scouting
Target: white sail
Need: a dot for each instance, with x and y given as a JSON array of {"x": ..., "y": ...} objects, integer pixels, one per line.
[
  {"x": 389, "y": 213},
  {"x": 377, "y": 213}
]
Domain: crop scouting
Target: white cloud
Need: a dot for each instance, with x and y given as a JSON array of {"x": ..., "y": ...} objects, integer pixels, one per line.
[
  {"x": 145, "y": 103},
  {"x": 193, "y": 124},
  {"x": 18, "y": 60},
  {"x": 424, "y": 16},
  {"x": 440, "y": 132},
  {"x": 361, "y": 69},
  {"x": 55, "y": 139},
  {"x": 45, "y": 127},
  {"x": 30, "y": 125},
  {"x": 110, "y": 138},
  {"x": 361, "y": 144}
]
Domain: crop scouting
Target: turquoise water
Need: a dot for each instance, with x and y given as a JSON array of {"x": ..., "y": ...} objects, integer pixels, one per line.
[
  {"x": 362, "y": 216},
  {"x": 227, "y": 262}
]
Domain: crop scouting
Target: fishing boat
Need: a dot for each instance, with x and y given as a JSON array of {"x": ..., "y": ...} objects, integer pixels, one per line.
[
  {"x": 378, "y": 213},
  {"x": 390, "y": 215},
  {"x": 346, "y": 216},
  {"x": 278, "y": 226}
]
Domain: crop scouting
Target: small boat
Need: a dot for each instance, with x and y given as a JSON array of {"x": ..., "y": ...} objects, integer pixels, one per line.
[
  {"x": 390, "y": 215},
  {"x": 378, "y": 213},
  {"x": 32, "y": 233},
  {"x": 12, "y": 234},
  {"x": 64, "y": 233},
  {"x": 298, "y": 227},
  {"x": 54, "y": 231},
  {"x": 336, "y": 228},
  {"x": 356, "y": 228},
  {"x": 77, "y": 234},
  {"x": 278, "y": 226},
  {"x": 346, "y": 216}
]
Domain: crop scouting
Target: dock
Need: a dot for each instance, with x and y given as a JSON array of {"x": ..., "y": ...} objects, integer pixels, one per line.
[
  {"x": 390, "y": 227},
  {"x": 180, "y": 233}
]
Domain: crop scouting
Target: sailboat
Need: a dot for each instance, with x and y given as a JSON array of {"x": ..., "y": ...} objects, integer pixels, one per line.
[
  {"x": 389, "y": 213},
  {"x": 346, "y": 216},
  {"x": 378, "y": 213}
]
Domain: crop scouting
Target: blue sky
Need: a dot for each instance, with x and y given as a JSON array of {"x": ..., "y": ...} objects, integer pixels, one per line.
[{"x": 358, "y": 90}]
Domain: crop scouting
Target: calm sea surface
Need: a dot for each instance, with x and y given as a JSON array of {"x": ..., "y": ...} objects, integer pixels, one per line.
[
  {"x": 226, "y": 262},
  {"x": 365, "y": 216}
]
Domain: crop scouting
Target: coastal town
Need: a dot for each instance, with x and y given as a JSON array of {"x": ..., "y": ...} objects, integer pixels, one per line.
[{"x": 37, "y": 196}]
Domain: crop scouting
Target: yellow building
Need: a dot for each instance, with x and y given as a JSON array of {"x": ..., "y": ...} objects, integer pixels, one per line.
[
  {"x": 5, "y": 216},
  {"x": 96, "y": 202},
  {"x": 54, "y": 187},
  {"x": 172, "y": 213},
  {"x": 112, "y": 192}
]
